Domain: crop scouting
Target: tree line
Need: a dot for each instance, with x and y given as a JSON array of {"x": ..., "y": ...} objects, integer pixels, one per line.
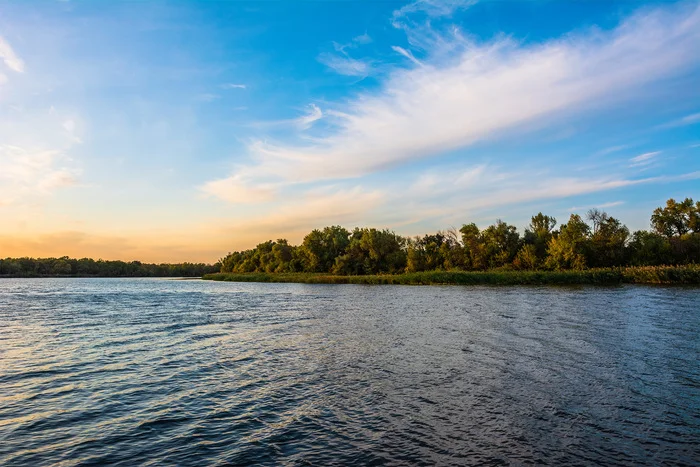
[
  {"x": 87, "y": 267},
  {"x": 596, "y": 240}
]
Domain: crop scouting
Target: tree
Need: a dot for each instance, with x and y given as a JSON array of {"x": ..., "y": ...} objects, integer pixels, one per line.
[
  {"x": 568, "y": 249},
  {"x": 372, "y": 251},
  {"x": 501, "y": 242},
  {"x": 538, "y": 234},
  {"x": 676, "y": 219},
  {"x": 322, "y": 247},
  {"x": 608, "y": 242},
  {"x": 649, "y": 249},
  {"x": 474, "y": 249},
  {"x": 526, "y": 258}
]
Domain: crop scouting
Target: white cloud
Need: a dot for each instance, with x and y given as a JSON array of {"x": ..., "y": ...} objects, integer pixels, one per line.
[
  {"x": 683, "y": 121},
  {"x": 345, "y": 65},
  {"x": 479, "y": 91},
  {"x": 644, "y": 159},
  {"x": 234, "y": 189},
  {"x": 407, "y": 54},
  {"x": 314, "y": 114},
  {"x": 233, "y": 86},
  {"x": 362, "y": 39},
  {"x": 8, "y": 56},
  {"x": 342, "y": 63},
  {"x": 611, "y": 204},
  {"x": 434, "y": 8},
  {"x": 208, "y": 97},
  {"x": 27, "y": 173}
]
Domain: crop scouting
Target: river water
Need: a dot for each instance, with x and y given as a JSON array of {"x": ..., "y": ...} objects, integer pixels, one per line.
[{"x": 165, "y": 372}]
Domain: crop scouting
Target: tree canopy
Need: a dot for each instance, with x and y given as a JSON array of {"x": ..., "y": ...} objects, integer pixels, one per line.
[{"x": 596, "y": 240}]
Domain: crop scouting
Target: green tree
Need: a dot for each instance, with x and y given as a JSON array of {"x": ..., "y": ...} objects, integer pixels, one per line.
[
  {"x": 474, "y": 248},
  {"x": 322, "y": 247},
  {"x": 568, "y": 249},
  {"x": 538, "y": 234},
  {"x": 677, "y": 218},
  {"x": 608, "y": 242},
  {"x": 501, "y": 241}
]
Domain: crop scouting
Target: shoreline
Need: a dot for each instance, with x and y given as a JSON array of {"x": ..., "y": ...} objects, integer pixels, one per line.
[{"x": 665, "y": 275}]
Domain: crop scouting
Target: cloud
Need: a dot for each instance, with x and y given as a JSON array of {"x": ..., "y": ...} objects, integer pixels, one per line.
[
  {"x": 28, "y": 173},
  {"x": 598, "y": 206},
  {"x": 644, "y": 159},
  {"x": 476, "y": 91},
  {"x": 362, "y": 39},
  {"x": 12, "y": 61},
  {"x": 683, "y": 121},
  {"x": 234, "y": 189},
  {"x": 345, "y": 65},
  {"x": 313, "y": 114},
  {"x": 208, "y": 97},
  {"x": 233, "y": 86},
  {"x": 407, "y": 54},
  {"x": 612, "y": 149},
  {"x": 307, "y": 120},
  {"x": 342, "y": 63},
  {"x": 433, "y": 8}
]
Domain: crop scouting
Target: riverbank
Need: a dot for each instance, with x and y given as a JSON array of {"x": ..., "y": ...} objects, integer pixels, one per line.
[{"x": 630, "y": 275}]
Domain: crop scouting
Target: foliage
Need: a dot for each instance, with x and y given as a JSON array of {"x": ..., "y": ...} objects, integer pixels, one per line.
[
  {"x": 677, "y": 218},
  {"x": 602, "y": 242},
  {"x": 86, "y": 267}
]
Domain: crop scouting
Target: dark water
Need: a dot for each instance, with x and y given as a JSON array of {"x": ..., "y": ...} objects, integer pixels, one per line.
[{"x": 158, "y": 372}]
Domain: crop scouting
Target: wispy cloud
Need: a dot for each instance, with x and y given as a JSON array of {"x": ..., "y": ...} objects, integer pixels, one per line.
[
  {"x": 598, "y": 206},
  {"x": 342, "y": 63},
  {"x": 12, "y": 61},
  {"x": 644, "y": 159},
  {"x": 345, "y": 65},
  {"x": 311, "y": 114},
  {"x": 407, "y": 54},
  {"x": 314, "y": 114},
  {"x": 479, "y": 91},
  {"x": 683, "y": 121},
  {"x": 208, "y": 97},
  {"x": 434, "y": 8},
  {"x": 612, "y": 149},
  {"x": 233, "y": 86},
  {"x": 234, "y": 190},
  {"x": 27, "y": 173}
]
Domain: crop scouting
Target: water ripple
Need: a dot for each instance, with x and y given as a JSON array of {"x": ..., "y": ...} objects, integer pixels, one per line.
[{"x": 157, "y": 372}]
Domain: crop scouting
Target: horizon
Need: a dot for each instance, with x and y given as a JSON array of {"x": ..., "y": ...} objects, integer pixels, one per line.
[{"x": 173, "y": 133}]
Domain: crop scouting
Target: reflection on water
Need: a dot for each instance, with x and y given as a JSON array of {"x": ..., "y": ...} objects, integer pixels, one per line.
[{"x": 98, "y": 371}]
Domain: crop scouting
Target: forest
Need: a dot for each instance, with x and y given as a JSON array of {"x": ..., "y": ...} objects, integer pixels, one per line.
[
  {"x": 596, "y": 240},
  {"x": 86, "y": 267}
]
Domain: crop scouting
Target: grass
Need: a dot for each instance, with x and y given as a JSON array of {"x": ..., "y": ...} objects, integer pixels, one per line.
[{"x": 629, "y": 275}]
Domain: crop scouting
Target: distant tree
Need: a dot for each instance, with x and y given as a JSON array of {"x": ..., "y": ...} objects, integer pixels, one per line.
[
  {"x": 568, "y": 249},
  {"x": 677, "y": 218},
  {"x": 474, "y": 248},
  {"x": 501, "y": 241},
  {"x": 538, "y": 234},
  {"x": 322, "y": 247},
  {"x": 608, "y": 241},
  {"x": 649, "y": 249},
  {"x": 526, "y": 258},
  {"x": 372, "y": 251}
]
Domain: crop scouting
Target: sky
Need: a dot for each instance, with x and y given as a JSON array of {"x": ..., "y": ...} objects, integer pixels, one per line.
[{"x": 180, "y": 131}]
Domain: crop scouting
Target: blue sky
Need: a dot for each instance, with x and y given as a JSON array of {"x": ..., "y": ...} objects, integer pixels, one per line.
[{"x": 171, "y": 131}]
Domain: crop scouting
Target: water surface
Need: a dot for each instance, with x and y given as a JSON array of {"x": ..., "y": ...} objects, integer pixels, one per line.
[{"x": 162, "y": 372}]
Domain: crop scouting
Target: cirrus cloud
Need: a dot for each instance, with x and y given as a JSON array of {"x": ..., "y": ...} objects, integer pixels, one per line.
[{"x": 465, "y": 92}]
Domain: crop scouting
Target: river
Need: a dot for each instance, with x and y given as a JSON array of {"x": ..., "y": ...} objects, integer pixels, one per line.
[{"x": 173, "y": 372}]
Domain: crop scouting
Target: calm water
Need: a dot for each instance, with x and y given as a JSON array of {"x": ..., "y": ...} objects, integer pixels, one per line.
[{"x": 162, "y": 372}]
